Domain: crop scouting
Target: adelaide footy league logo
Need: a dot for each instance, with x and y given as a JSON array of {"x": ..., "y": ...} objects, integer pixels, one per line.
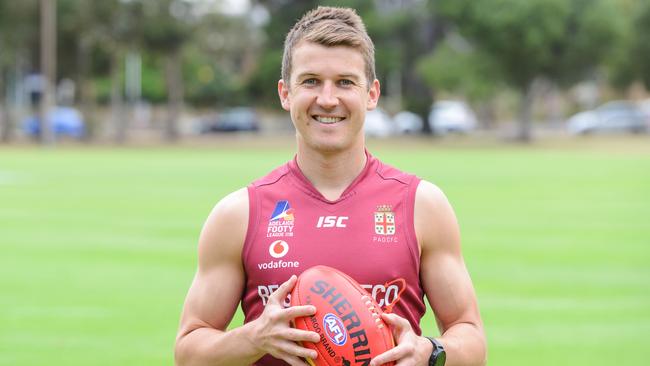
[
  {"x": 384, "y": 220},
  {"x": 281, "y": 221}
]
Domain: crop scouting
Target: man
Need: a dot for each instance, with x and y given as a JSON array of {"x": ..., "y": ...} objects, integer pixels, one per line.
[{"x": 334, "y": 204}]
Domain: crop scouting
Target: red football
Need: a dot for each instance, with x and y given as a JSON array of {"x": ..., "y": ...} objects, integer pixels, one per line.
[{"x": 347, "y": 318}]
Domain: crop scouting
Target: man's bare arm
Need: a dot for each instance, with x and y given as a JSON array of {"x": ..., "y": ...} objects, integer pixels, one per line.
[
  {"x": 445, "y": 279},
  {"x": 448, "y": 288},
  {"x": 216, "y": 292}
]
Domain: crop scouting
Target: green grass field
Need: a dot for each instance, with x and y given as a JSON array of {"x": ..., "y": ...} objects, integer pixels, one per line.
[{"x": 97, "y": 246}]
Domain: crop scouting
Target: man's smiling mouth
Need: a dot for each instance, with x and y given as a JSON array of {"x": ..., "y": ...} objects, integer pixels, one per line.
[{"x": 328, "y": 120}]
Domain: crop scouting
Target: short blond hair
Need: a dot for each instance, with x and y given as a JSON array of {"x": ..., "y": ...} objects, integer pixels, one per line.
[{"x": 330, "y": 26}]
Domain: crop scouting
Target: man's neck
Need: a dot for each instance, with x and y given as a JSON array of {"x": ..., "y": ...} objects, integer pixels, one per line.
[{"x": 331, "y": 173}]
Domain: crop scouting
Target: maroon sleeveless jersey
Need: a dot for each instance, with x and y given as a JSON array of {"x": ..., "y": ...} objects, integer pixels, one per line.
[{"x": 367, "y": 233}]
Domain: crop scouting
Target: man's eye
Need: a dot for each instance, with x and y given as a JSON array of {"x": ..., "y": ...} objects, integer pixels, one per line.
[
  {"x": 309, "y": 81},
  {"x": 346, "y": 82}
]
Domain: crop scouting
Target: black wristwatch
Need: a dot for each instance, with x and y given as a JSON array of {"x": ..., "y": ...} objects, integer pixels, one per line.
[{"x": 438, "y": 355}]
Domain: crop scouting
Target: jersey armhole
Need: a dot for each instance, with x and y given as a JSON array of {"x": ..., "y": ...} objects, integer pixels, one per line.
[
  {"x": 412, "y": 239},
  {"x": 253, "y": 212}
]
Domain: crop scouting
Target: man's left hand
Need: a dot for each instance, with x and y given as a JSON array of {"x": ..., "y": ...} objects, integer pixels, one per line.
[{"x": 411, "y": 349}]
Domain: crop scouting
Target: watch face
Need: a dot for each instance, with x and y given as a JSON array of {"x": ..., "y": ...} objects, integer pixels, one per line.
[{"x": 440, "y": 360}]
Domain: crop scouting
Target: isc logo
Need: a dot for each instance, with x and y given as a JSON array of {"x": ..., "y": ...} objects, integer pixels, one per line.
[{"x": 332, "y": 221}]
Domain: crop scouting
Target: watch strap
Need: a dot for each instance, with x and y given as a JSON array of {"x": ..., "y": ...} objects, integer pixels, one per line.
[{"x": 438, "y": 355}]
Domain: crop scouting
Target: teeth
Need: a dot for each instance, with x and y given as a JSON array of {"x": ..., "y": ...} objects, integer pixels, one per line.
[{"x": 328, "y": 119}]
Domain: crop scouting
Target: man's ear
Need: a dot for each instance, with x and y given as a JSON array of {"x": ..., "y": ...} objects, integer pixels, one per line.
[
  {"x": 373, "y": 95},
  {"x": 283, "y": 92}
]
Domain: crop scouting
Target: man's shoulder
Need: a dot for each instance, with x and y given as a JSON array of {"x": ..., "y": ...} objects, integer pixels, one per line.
[
  {"x": 431, "y": 204},
  {"x": 272, "y": 177},
  {"x": 233, "y": 203},
  {"x": 430, "y": 195},
  {"x": 223, "y": 233},
  {"x": 230, "y": 212},
  {"x": 389, "y": 172},
  {"x": 435, "y": 221}
]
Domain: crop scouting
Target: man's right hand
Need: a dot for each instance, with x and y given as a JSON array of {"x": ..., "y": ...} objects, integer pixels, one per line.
[{"x": 273, "y": 333}]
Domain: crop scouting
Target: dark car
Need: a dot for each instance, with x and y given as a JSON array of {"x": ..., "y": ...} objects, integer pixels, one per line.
[{"x": 231, "y": 120}]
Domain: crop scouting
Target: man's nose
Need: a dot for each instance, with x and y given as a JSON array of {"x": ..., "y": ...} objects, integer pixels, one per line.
[{"x": 327, "y": 97}]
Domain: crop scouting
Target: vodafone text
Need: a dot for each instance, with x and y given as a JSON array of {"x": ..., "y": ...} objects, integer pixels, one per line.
[
  {"x": 382, "y": 294},
  {"x": 278, "y": 264},
  {"x": 332, "y": 221}
]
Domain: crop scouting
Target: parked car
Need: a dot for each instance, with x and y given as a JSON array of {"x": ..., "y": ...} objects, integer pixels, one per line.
[
  {"x": 644, "y": 105},
  {"x": 378, "y": 123},
  {"x": 408, "y": 122},
  {"x": 65, "y": 121},
  {"x": 616, "y": 116},
  {"x": 232, "y": 120},
  {"x": 451, "y": 116}
]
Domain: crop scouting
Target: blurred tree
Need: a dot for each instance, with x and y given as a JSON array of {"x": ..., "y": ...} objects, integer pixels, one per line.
[
  {"x": 18, "y": 37},
  {"x": 261, "y": 86},
  {"x": 224, "y": 57},
  {"x": 403, "y": 32},
  {"x": 641, "y": 46},
  {"x": 167, "y": 27},
  {"x": 628, "y": 62},
  {"x": 456, "y": 68},
  {"x": 87, "y": 30},
  {"x": 140, "y": 33},
  {"x": 559, "y": 40},
  {"x": 126, "y": 37},
  {"x": 209, "y": 85}
]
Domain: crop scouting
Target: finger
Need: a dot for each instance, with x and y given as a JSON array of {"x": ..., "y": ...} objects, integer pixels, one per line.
[
  {"x": 285, "y": 288},
  {"x": 393, "y": 354},
  {"x": 298, "y": 335},
  {"x": 397, "y": 323},
  {"x": 299, "y": 311},
  {"x": 294, "y": 349}
]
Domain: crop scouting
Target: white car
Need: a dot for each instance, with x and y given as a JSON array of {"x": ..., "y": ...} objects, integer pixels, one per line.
[
  {"x": 451, "y": 116},
  {"x": 378, "y": 123},
  {"x": 617, "y": 116},
  {"x": 644, "y": 106},
  {"x": 408, "y": 122}
]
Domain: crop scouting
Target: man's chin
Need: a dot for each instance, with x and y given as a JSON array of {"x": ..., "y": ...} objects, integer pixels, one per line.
[
  {"x": 328, "y": 147},
  {"x": 329, "y": 143}
]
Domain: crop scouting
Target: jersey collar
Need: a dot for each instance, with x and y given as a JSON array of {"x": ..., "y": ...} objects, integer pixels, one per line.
[{"x": 309, "y": 188}]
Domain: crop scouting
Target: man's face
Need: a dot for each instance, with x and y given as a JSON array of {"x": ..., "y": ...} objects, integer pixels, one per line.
[{"x": 328, "y": 96}]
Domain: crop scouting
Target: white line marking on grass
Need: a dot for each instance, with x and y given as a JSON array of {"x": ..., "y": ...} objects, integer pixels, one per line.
[{"x": 10, "y": 178}]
